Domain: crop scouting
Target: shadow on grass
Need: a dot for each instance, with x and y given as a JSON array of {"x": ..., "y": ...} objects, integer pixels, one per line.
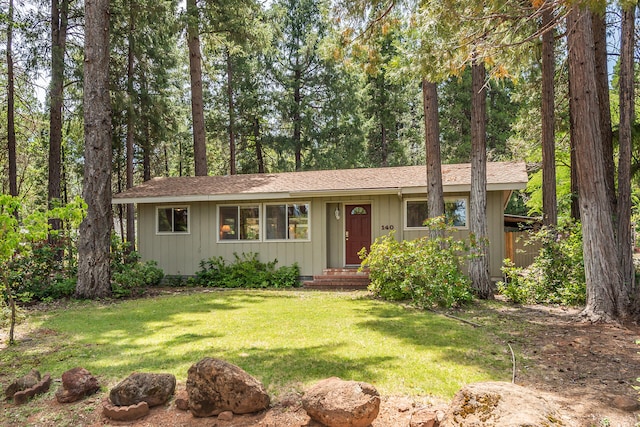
[
  {"x": 169, "y": 334},
  {"x": 454, "y": 341}
]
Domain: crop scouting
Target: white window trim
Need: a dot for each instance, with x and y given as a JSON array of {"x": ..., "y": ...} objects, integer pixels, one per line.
[
  {"x": 287, "y": 203},
  {"x": 173, "y": 233},
  {"x": 239, "y": 205},
  {"x": 448, "y": 198}
]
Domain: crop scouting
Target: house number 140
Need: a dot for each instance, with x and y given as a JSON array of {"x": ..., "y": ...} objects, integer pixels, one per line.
[{"x": 386, "y": 227}]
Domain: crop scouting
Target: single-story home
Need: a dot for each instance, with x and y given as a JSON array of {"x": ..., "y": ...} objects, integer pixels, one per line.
[{"x": 319, "y": 219}]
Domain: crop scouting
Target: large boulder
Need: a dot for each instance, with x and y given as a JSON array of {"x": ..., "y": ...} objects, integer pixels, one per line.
[
  {"x": 500, "y": 404},
  {"x": 215, "y": 386},
  {"x": 22, "y": 383},
  {"x": 76, "y": 384},
  {"x": 338, "y": 403},
  {"x": 155, "y": 389}
]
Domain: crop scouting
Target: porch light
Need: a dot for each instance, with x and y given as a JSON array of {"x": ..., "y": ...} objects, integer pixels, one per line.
[{"x": 337, "y": 213}]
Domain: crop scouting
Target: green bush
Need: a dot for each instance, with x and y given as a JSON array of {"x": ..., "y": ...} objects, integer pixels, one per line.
[
  {"x": 130, "y": 276},
  {"x": 41, "y": 274},
  {"x": 246, "y": 271},
  {"x": 557, "y": 273},
  {"x": 427, "y": 271}
]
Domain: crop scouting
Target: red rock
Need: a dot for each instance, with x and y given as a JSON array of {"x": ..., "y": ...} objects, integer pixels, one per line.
[
  {"x": 42, "y": 386},
  {"x": 424, "y": 418},
  {"x": 225, "y": 416},
  {"x": 76, "y": 384},
  {"x": 182, "y": 400},
  {"x": 337, "y": 403},
  {"x": 125, "y": 413},
  {"x": 215, "y": 386}
]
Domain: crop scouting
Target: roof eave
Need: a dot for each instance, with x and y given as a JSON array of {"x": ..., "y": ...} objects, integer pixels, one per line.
[{"x": 316, "y": 193}]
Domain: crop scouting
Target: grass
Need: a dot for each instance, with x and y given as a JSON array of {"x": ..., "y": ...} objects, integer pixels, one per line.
[{"x": 287, "y": 339}]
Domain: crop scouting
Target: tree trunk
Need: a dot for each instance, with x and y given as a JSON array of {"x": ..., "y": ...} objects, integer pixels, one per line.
[
  {"x": 479, "y": 264},
  {"x": 94, "y": 273},
  {"x": 599, "y": 248},
  {"x": 232, "y": 140},
  {"x": 599, "y": 30},
  {"x": 256, "y": 136},
  {"x": 197, "y": 101},
  {"x": 549, "y": 200},
  {"x": 297, "y": 116},
  {"x": 435, "y": 198},
  {"x": 59, "y": 11},
  {"x": 11, "y": 125},
  {"x": 131, "y": 229},
  {"x": 627, "y": 116}
]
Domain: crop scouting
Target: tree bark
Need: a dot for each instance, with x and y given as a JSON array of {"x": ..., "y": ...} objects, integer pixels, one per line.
[
  {"x": 256, "y": 136},
  {"x": 549, "y": 199},
  {"x": 59, "y": 12},
  {"x": 11, "y": 124},
  {"x": 627, "y": 116},
  {"x": 232, "y": 140},
  {"x": 297, "y": 115},
  {"x": 435, "y": 198},
  {"x": 94, "y": 273},
  {"x": 600, "y": 256},
  {"x": 479, "y": 264},
  {"x": 197, "y": 100},
  {"x": 131, "y": 229},
  {"x": 599, "y": 30}
]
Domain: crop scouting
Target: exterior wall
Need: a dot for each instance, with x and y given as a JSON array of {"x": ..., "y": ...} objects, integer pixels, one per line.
[
  {"x": 180, "y": 254},
  {"x": 495, "y": 226}
]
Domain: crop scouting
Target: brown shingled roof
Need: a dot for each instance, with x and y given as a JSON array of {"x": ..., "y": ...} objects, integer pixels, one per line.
[{"x": 500, "y": 176}]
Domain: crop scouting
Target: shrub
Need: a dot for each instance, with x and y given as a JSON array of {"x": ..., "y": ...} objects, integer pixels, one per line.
[
  {"x": 130, "y": 276},
  {"x": 557, "y": 273},
  {"x": 246, "y": 271},
  {"x": 427, "y": 271}
]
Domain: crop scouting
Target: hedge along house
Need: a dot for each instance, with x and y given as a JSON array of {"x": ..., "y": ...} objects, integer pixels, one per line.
[{"x": 319, "y": 219}]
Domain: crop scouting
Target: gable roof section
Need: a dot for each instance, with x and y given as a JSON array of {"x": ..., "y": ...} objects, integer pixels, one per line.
[{"x": 393, "y": 180}]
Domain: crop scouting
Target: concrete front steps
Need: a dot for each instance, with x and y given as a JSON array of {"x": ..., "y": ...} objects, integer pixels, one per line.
[{"x": 339, "y": 279}]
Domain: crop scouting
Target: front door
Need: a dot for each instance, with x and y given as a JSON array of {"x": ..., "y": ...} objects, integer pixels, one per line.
[{"x": 357, "y": 231}]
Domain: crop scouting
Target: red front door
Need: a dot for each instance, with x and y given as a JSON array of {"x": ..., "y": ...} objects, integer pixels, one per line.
[{"x": 357, "y": 231}]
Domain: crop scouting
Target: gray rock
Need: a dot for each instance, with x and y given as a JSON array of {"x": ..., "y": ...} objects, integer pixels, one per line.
[
  {"x": 500, "y": 404},
  {"x": 215, "y": 386},
  {"x": 338, "y": 403},
  {"x": 76, "y": 384},
  {"x": 155, "y": 389}
]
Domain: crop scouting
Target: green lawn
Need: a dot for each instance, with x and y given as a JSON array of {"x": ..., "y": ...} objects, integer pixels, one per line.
[{"x": 287, "y": 339}]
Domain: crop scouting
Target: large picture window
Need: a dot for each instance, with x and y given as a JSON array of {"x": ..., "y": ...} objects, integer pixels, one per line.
[
  {"x": 172, "y": 219},
  {"x": 239, "y": 223},
  {"x": 455, "y": 212},
  {"x": 287, "y": 221}
]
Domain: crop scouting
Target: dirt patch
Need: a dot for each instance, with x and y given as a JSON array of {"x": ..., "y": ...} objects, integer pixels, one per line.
[{"x": 582, "y": 366}]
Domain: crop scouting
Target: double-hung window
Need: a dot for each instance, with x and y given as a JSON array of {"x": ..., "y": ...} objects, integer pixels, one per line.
[
  {"x": 287, "y": 221},
  {"x": 172, "y": 220},
  {"x": 239, "y": 222}
]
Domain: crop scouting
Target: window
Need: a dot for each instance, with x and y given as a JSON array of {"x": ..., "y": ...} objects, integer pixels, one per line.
[
  {"x": 239, "y": 223},
  {"x": 417, "y": 213},
  {"x": 287, "y": 221},
  {"x": 173, "y": 219},
  {"x": 455, "y": 212}
]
